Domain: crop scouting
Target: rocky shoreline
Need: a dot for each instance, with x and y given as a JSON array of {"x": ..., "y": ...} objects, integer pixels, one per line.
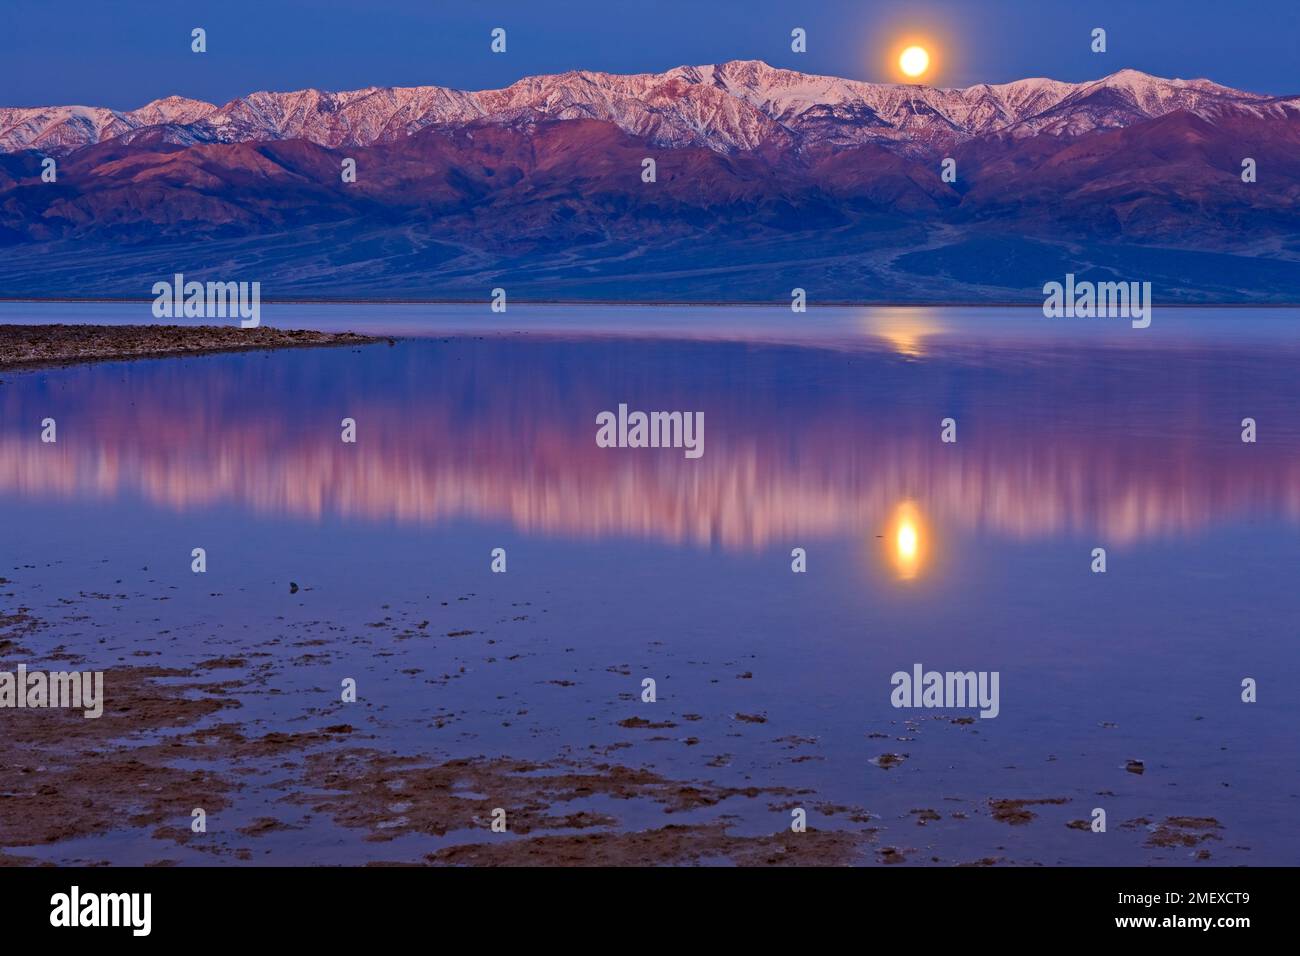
[{"x": 27, "y": 346}]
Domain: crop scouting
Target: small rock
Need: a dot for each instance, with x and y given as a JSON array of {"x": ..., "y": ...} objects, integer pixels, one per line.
[{"x": 885, "y": 761}]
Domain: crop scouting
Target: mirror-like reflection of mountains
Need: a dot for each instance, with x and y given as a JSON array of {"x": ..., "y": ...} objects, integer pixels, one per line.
[{"x": 1126, "y": 442}]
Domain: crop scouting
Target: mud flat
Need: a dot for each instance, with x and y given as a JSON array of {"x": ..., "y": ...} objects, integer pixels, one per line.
[
  {"x": 247, "y": 728},
  {"x": 35, "y": 345},
  {"x": 180, "y": 734}
]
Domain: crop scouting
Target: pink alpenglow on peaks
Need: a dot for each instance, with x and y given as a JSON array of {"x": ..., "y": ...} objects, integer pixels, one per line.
[{"x": 730, "y": 107}]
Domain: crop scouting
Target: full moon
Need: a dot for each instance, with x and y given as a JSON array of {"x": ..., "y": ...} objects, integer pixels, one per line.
[{"x": 914, "y": 61}]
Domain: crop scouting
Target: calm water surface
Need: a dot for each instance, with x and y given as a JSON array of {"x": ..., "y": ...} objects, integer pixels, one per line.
[{"x": 821, "y": 432}]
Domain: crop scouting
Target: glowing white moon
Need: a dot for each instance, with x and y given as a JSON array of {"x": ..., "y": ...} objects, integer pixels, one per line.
[{"x": 914, "y": 61}]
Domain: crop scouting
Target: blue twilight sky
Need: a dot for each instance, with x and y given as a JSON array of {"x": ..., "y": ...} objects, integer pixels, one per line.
[{"x": 123, "y": 53}]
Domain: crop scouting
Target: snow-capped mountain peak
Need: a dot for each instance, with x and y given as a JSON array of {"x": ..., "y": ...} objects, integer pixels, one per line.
[
  {"x": 170, "y": 109},
  {"x": 728, "y": 107}
]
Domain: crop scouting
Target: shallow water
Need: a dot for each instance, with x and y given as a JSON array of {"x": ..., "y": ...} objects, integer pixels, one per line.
[{"x": 822, "y": 432}]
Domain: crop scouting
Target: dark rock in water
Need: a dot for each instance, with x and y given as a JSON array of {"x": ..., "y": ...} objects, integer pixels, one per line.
[
  {"x": 1016, "y": 812},
  {"x": 293, "y": 587},
  {"x": 885, "y": 761}
]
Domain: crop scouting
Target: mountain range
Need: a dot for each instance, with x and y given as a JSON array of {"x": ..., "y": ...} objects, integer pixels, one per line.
[{"x": 765, "y": 179}]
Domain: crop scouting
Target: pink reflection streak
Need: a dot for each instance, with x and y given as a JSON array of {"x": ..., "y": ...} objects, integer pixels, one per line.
[{"x": 751, "y": 489}]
